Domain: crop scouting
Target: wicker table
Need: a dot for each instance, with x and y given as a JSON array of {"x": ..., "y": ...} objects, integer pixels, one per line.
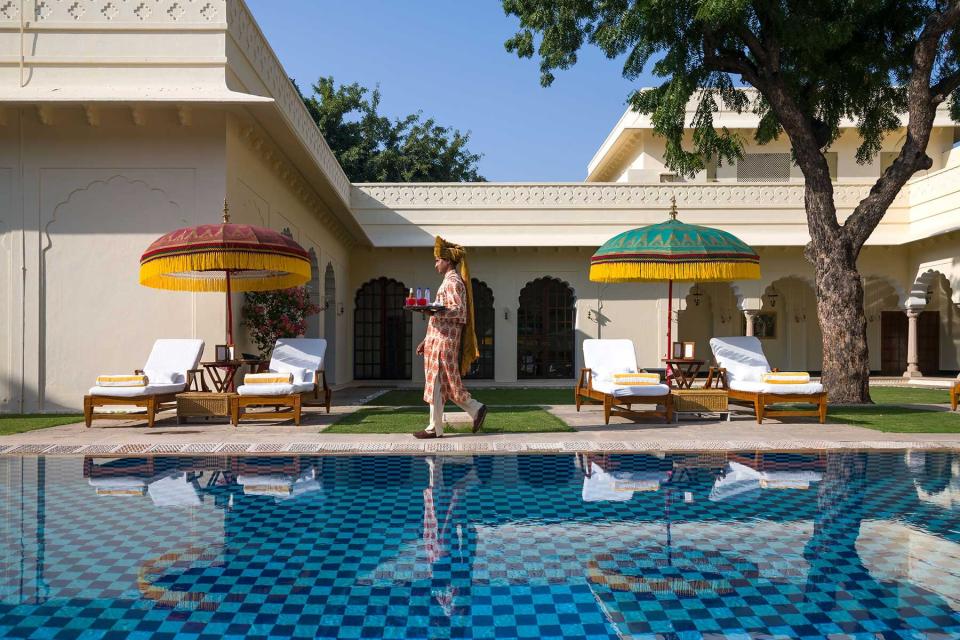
[
  {"x": 198, "y": 404},
  {"x": 700, "y": 401}
]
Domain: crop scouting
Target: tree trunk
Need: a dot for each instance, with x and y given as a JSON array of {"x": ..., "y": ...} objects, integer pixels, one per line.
[{"x": 846, "y": 362}]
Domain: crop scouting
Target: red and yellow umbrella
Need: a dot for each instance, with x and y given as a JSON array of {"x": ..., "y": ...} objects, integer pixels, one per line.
[{"x": 224, "y": 257}]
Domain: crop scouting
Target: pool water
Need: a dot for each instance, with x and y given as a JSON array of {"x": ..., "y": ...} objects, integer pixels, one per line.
[{"x": 708, "y": 545}]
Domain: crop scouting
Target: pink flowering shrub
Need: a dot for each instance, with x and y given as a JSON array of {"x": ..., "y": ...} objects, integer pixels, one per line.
[{"x": 269, "y": 315}]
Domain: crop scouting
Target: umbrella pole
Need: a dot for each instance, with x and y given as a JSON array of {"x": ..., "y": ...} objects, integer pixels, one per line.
[
  {"x": 229, "y": 314},
  {"x": 669, "y": 330}
]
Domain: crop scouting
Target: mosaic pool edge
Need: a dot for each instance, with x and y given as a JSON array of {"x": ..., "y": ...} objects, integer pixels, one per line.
[{"x": 452, "y": 446}]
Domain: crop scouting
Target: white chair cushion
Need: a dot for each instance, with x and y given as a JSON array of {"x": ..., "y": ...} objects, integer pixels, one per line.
[
  {"x": 136, "y": 392},
  {"x": 607, "y": 357},
  {"x": 165, "y": 377},
  {"x": 774, "y": 389},
  {"x": 619, "y": 486},
  {"x": 173, "y": 491},
  {"x": 294, "y": 354},
  {"x": 274, "y": 389},
  {"x": 619, "y": 391},
  {"x": 741, "y": 356},
  {"x": 177, "y": 355}
]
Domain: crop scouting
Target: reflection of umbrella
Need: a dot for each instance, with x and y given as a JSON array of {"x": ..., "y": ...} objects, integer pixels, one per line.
[
  {"x": 673, "y": 250},
  {"x": 221, "y": 257}
]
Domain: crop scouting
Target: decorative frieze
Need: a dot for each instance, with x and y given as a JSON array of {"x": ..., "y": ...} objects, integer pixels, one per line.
[
  {"x": 606, "y": 195},
  {"x": 104, "y": 12}
]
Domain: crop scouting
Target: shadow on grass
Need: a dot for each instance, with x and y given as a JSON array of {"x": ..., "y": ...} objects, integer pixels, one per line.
[{"x": 411, "y": 419}]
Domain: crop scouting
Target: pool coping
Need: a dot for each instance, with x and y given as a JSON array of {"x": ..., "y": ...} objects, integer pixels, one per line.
[{"x": 451, "y": 446}]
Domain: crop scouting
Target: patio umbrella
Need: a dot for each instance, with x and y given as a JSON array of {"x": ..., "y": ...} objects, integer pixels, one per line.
[
  {"x": 224, "y": 257},
  {"x": 674, "y": 250}
]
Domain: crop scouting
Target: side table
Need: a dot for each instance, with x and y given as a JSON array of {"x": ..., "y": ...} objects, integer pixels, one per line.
[
  {"x": 200, "y": 404},
  {"x": 683, "y": 371}
]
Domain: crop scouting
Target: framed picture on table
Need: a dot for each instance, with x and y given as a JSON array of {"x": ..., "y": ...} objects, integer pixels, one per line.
[
  {"x": 689, "y": 350},
  {"x": 223, "y": 353},
  {"x": 677, "y": 353}
]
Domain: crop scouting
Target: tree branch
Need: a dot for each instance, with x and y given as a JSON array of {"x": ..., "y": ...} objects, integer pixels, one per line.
[{"x": 921, "y": 109}]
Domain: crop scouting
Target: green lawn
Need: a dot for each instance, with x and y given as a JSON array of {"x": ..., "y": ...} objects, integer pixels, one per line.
[
  {"x": 410, "y": 419},
  {"x": 493, "y": 397},
  {"x": 909, "y": 395},
  {"x": 896, "y": 419},
  {"x": 20, "y": 423}
]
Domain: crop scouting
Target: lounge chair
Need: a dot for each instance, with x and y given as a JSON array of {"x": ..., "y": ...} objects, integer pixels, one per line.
[
  {"x": 602, "y": 359},
  {"x": 954, "y": 395},
  {"x": 742, "y": 358},
  {"x": 302, "y": 358},
  {"x": 170, "y": 369}
]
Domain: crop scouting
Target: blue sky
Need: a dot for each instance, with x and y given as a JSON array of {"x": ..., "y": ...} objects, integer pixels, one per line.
[{"x": 446, "y": 58}]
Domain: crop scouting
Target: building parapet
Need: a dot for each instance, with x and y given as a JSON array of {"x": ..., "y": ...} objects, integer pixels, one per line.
[{"x": 587, "y": 214}]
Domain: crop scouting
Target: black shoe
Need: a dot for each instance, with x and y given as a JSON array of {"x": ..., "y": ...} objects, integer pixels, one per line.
[
  {"x": 422, "y": 435},
  {"x": 481, "y": 416}
]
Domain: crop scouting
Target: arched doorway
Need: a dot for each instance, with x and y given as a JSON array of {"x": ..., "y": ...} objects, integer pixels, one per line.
[
  {"x": 545, "y": 331},
  {"x": 382, "y": 332},
  {"x": 710, "y": 310},
  {"x": 484, "y": 317},
  {"x": 330, "y": 321},
  {"x": 313, "y": 289}
]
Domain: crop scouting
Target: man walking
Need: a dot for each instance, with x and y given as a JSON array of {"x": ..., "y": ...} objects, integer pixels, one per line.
[{"x": 443, "y": 359}]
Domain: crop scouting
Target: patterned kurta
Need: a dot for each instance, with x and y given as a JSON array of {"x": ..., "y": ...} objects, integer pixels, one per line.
[{"x": 441, "y": 347}]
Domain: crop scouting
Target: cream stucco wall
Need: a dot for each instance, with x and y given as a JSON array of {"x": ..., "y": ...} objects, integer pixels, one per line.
[
  {"x": 265, "y": 189},
  {"x": 84, "y": 202}
]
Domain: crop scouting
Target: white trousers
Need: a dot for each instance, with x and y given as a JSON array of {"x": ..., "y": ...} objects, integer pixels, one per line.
[{"x": 471, "y": 406}]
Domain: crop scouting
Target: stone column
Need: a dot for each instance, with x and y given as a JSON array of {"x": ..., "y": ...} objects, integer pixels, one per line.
[
  {"x": 749, "y": 314},
  {"x": 913, "y": 357}
]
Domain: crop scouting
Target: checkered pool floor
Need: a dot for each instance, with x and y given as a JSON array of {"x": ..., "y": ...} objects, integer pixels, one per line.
[{"x": 732, "y": 545}]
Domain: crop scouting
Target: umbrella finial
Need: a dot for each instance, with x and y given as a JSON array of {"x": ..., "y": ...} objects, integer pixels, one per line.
[
  {"x": 673, "y": 207},
  {"x": 226, "y": 212}
]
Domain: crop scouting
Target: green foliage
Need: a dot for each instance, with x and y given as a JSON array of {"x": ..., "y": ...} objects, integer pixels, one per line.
[
  {"x": 493, "y": 397},
  {"x": 832, "y": 59},
  {"x": 373, "y": 148},
  {"x": 269, "y": 315},
  {"x": 23, "y": 422}
]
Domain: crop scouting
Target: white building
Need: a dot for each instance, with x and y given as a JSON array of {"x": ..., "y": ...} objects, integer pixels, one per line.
[{"x": 120, "y": 121}]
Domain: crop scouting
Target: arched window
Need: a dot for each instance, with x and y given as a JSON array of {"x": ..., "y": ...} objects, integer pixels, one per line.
[
  {"x": 330, "y": 321},
  {"x": 484, "y": 318},
  {"x": 545, "y": 334},
  {"x": 313, "y": 288},
  {"x": 383, "y": 332}
]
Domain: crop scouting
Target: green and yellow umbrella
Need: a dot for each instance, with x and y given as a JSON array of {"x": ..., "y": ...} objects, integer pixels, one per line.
[{"x": 674, "y": 250}]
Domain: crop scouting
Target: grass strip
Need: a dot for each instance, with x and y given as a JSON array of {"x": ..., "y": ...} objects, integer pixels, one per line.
[
  {"x": 23, "y": 422},
  {"x": 492, "y": 397},
  {"x": 410, "y": 419}
]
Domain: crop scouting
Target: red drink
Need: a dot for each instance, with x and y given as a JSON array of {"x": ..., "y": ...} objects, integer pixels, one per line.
[
  {"x": 411, "y": 299},
  {"x": 421, "y": 301}
]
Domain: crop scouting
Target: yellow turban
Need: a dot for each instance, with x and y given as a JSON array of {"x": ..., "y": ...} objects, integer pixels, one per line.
[{"x": 469, "y": 351}]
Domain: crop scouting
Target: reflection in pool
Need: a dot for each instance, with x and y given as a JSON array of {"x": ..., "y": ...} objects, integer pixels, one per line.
[{"x": 712, "y": 545}]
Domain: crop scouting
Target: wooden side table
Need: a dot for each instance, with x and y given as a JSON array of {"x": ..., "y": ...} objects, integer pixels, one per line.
[
  {"x": 683, "y": 370},
  {"x": 206, "y": 405}
]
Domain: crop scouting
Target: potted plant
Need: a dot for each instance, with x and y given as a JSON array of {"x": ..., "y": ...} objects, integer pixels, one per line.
[{"x": 269, "y": 315}]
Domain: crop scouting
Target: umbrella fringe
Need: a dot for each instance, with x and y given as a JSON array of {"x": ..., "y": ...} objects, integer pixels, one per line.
[
  {"x": 182, "y": 272},
  {"x": 699, "y": 272}
]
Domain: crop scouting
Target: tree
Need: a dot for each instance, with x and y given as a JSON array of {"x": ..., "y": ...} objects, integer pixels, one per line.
[
  {"x": 373, "y": 148},
  {"x": 886, "y": 64}
]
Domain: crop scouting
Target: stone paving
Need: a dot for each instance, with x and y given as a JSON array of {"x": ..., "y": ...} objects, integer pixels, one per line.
[{"x": 132, "y": 437}]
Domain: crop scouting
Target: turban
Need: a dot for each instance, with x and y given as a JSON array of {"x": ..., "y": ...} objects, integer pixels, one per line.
[{"x": 458, "y": 255}]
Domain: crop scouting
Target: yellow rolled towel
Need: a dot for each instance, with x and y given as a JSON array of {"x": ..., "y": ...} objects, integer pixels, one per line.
[
  {"x": 636, "y": 379},
  {"x": 122, "y": 381},
  {"x": 786, "y": 377},
  {"x": 268, "y": 378}
]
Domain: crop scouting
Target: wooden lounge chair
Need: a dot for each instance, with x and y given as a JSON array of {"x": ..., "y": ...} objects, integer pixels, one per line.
[
  {"x": 170, "y": 369},
  {"x": 301, "y": 357},
  {"x": 954, "y": 395},
  {"x": 745, "y": 364},
  {"x": 604, "y": 358}
]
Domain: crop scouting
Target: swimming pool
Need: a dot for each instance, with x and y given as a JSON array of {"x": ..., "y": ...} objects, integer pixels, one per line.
[{"x": 708, "y": 545}]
